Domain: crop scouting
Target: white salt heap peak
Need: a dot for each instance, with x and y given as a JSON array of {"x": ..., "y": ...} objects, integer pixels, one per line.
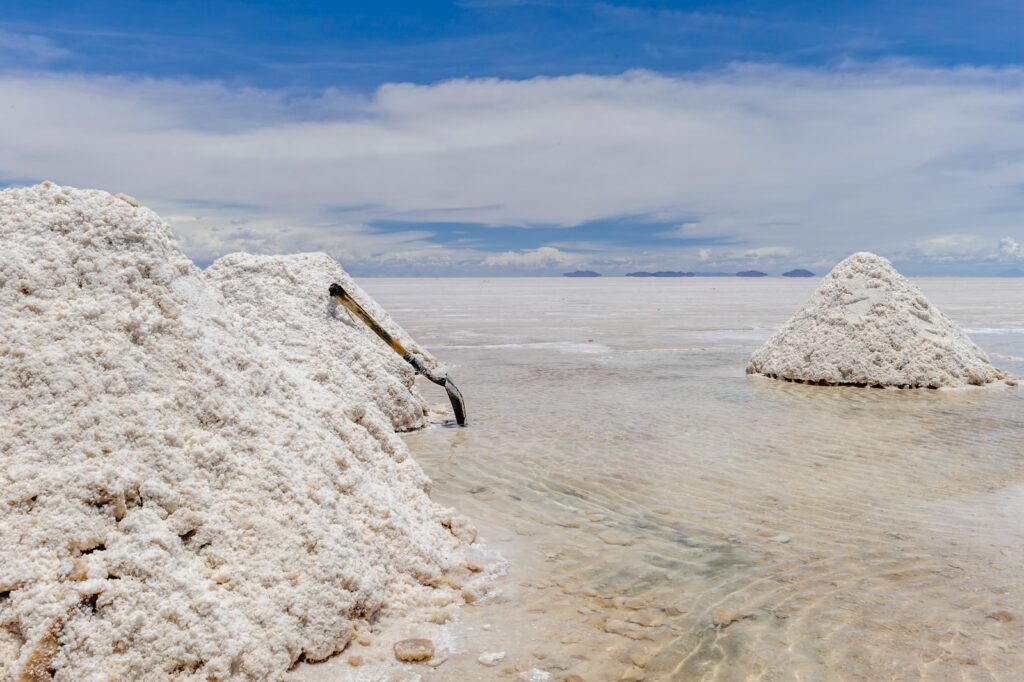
[
  {"x": 177, "y": 500},
  {"x": 868, "y": 325},
  {"x": 284, "y": 300}
]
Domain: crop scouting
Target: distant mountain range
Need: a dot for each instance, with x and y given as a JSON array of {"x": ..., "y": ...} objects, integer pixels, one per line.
[
  {"x": 799, "y": 272},
  {"x": 582, "y": 273},
  {"x": 1012, "y": 272},
  {"x": 751, "y": 273}
]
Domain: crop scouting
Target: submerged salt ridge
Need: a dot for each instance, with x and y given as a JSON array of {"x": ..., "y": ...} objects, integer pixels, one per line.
[
  {"x": 868, "y": 325},
  {"x": 179, "y": 500}
]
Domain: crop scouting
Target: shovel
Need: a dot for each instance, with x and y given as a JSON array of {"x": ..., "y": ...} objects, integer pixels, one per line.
[{"x": 339, "y": 294}]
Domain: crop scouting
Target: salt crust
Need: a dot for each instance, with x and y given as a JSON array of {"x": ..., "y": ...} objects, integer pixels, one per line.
[
  {"x": 176, "y": 499},
  {"x": 284, "y": 299},
  {"x": 868, "y": 325}
]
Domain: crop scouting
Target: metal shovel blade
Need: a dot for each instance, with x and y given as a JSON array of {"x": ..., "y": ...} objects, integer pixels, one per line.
[
  {"x": 458, "y": 404},
  {"x": 454, "y": 394}
]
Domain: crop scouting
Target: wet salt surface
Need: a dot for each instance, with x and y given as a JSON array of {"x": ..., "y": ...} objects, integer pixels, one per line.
[{"x": 668, "y": 517}]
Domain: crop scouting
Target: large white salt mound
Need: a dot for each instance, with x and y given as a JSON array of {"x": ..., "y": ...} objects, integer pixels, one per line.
[
  {"x": 175, "y": 499},
  {"x": 868, "y": 325},
  {"x": 284, "y": 299}
]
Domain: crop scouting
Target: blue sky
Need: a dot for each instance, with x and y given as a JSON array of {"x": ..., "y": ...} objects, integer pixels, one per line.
[
  {"x": 519, "y": 137},
  {"x": 313, "y": 45}
]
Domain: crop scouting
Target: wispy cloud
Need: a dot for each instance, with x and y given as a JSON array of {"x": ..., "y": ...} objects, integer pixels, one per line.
[
  {"x": 25, "y": 49},
  {"x": 503, "y": 4},
  {"x": 673, "y": 20}
]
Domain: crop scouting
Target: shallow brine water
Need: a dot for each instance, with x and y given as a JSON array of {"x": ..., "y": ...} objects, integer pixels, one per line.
[{"x": 668, "y": 517}]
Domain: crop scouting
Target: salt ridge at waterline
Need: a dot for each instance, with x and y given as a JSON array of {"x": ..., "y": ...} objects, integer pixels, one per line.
[{"x": 868, "y": 325}]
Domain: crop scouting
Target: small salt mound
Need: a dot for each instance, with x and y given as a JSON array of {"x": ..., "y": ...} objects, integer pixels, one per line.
[
  {"x": 868, "y": 325},
  {"x": 284, "y": 299},
  {"x": 176, "y": 500}
]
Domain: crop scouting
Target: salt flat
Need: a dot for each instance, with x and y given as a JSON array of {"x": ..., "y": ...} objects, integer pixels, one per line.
[{"x": 669, "y": 517}]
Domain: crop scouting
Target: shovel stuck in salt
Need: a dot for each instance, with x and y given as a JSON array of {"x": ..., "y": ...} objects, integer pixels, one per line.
[{"x": 339, "y": 294}]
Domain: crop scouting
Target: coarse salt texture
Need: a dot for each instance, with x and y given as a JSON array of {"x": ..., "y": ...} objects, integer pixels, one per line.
[
  {"x": 867, "y": 325},
  {"x": 284, "y": 299},
  {"x": 176, "y": 499}
]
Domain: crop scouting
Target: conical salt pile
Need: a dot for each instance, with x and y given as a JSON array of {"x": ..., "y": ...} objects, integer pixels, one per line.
[
  {"x": 867, "y": 325},
  {"x": 176, "y": 499}
]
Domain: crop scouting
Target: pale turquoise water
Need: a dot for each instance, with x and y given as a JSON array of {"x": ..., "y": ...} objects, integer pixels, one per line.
[{"x": 669, "y": 517}]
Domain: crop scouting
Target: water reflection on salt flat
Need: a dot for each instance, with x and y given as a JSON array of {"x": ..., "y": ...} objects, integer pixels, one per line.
[{"x": 670, "y": 518}]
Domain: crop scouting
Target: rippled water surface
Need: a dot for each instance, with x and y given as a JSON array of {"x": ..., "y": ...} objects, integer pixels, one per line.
[{"x": 668, "y": 517}]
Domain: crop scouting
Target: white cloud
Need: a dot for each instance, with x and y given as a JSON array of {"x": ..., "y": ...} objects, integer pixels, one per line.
[
  {"x": 543, "y": 258},
  {"x": 1011, "y": 247},
  {"x": 767, "y": 252},
  {"x": 816, "y": 162},
  {"x": 951, "y": 247}
]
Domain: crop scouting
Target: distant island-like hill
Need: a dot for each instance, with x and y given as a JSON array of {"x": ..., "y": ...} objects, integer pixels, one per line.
[
  {"x": 799, "y": 272},
  {"x": 1012, "y": 272},
  {"x": 751, "y": 273},
  {"x": 661, "y": 273},
  {"x": 582, "y": 273}
]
